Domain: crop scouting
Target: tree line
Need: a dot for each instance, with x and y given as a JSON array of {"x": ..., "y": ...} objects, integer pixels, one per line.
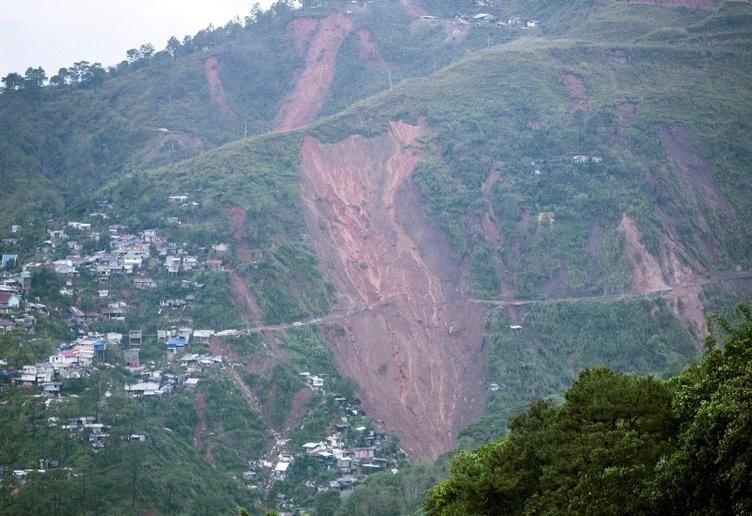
[{"x": 622, "y": 444}]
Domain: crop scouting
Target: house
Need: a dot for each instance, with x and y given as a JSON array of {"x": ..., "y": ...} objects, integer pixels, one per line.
[
  {"x": 150, "y": 236},
  {"x": 144, "y": 283},
  {"x": 143, "y": 389},
  {"x": 484, "y": 17},
  {"x": 189, "y": 263},
  {"x": 64, "y": 358},
  {"x": 172, "y": 264},
  {"x": 9, "y": 301},
  {"x": 82, "y": 226},
  {"x": 214, "y": 264},
  {"x": 64, "y": 266},
  {"x": 177, "y": 199},
  {"x": 280, "y": 470},
  {"x": 360, "y": 453},
  {"x": 315, "y": 382},
  {"x": 51, "y": 388},
  {"x": 220, "y": 248},
  {"x": 191, "y": 383},
  {"x": 176, "y": 342},
  {"x": 135, "y": 338},
  {"x": 203, "y": 336},
  {"x": 346, "y": 483}
]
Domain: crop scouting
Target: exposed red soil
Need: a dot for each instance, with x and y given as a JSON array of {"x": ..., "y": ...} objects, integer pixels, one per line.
[
  {"x": 215, "y": 344},
  {"x": 670, "y": 271},
  {"x": 368, "y": 51},
  {"x": 693, "y": 171},
  {"x": 626, "y": 114},
  {"x": 202, "y": 428},
  {"x": 244, "y": 299},
  {"x": 302, "y": 104},
  {"x": 300, "y": 31},
  {"x": 704, "y": 4},
  {"x": 298, "y": 408},
  {"x": 216, "y": 91},
  {"x": 576, "y": 87},
  {"x": 646, "y": 271},
  {"x": 239, "y": 234},
  {"x": 414, "y": 347},
  {"x": 489, "y": 224}
]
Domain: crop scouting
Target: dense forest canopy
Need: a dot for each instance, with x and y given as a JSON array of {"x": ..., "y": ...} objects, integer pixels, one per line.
[{"x": 622, "y": 444}]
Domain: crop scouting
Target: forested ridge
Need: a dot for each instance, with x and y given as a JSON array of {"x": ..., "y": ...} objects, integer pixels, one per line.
[{"x": 622, "y": 444}]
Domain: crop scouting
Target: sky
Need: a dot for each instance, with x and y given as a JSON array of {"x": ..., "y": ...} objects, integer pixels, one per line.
[{"x": 57, "y": 33}]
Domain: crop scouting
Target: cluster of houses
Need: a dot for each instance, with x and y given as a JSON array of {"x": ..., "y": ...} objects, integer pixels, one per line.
[
  {"x": 127, "y": 254},
  {"x": 87, "y": 427},
  {"x": 480, "y": 18},
  {"x": 15, "y": 312},
  {"x": 348, "y": 454},
  {"x": 73, "y": 360}
]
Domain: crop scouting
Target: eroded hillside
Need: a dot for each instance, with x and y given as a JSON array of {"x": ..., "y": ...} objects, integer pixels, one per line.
[{"x": 411, "y": 341}]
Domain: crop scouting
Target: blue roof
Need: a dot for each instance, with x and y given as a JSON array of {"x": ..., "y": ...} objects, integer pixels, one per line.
[{"x": 177, "y": 341}]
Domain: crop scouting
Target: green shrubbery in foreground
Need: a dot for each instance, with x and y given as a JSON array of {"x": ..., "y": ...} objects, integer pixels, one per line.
[{"x": 622, "y": 444}]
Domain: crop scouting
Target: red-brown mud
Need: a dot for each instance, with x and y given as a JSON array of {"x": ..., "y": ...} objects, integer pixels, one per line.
[{"x": 412, "y": 342}]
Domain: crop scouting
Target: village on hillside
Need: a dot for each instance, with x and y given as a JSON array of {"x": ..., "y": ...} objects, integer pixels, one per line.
[{"x": 128, "y": 301}]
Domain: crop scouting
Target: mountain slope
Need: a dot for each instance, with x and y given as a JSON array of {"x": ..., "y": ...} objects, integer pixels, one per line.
[
  {"x": 663, "y": 209},
  {"x": 470, "y": 238}
]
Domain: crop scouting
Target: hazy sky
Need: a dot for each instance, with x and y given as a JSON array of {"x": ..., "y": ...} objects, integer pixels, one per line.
[{"x": 56, "y": 33}]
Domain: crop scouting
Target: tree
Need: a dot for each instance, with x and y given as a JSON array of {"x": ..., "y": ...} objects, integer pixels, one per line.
[
  {"x": 13, "y": 82},
  {"x": 146, "y": 51},
  {"x": 592, "y": 455},
  {"x": 173, "y": 45},
  {"x": 96, "y": 75},
  {"x": 34, "y": 78},
  {"x": 79, "y": 72},
  {"x": 711, "y": 470}
]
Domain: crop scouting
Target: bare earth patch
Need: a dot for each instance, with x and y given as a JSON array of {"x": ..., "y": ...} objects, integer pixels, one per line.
[
  {"x": 646, "y": 271},
  {"x": 576, "y": 87},
  {"x": 202, "y": 429},
  {"x": 669, "y": 272},
  {"x": 693, "y": 169},
  {"x": 368, "y": 51},
  {"x": 216, "y": 91},
  {"x": 302, "y": 104},
  {"x": 412, "y": 343}
]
